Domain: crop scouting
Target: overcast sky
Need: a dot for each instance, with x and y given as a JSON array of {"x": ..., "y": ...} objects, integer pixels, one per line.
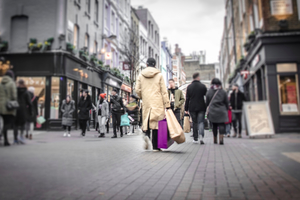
[{"x": 192, "y": 24}]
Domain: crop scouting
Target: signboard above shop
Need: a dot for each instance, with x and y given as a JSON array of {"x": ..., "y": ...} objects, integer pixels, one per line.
[{"x": 281, "y": 7}]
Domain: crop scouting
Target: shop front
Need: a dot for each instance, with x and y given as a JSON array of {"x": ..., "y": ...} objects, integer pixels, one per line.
[
  {"x": 271, "y": 72},
  {"x": 125, "y": 91},
  {"x": 54, "y": 76}
]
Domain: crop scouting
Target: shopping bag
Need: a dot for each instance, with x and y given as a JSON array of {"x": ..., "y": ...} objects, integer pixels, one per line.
[
  {"x": 206, "y": 123},
  {"x": 186, "y": 124},
  {"x": 38, "y": 125},
  {"x": 125, "y": 120},
  {"x": 40, "y": 120},
  {"x": 176, "y": 132},
  {"x": 164, "y": 140}
]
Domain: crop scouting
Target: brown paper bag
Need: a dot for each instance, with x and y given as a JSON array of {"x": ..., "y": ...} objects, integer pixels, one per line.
[
  {"x": 187, "y": 124},
  {"x": 174, "y": 127}
]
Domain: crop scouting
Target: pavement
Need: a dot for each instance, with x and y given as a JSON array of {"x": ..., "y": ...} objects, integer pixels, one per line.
[{"x": 57, "y": 168}]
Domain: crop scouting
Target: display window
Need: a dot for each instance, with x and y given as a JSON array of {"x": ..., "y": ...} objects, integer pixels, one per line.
[
  {"x": 288, "y": 94},
  {"x": 39, "y": 85},
  {"x": 70, "y": 89},
  {"x": 55, "y": 98}
]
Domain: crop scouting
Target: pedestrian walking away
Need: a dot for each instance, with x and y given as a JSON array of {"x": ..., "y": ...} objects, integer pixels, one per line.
[
  {"x": 236, "y": 103},
  {"x": 152, "y": 90},
  {"x": 117, "y": 110},
  {"x": 67, "y": 109},
  {"x": 8, "y": 93},
  {"x": 176, "y": 100},
  {"x": 30, "y": 124},
  {"x": 102, "y": 113},
  {"x": 24, "y": 112},
  {"x": 217, "y": 109},
  {"x": 195, "y": 105},
  {"x": 84, "y": 107}
]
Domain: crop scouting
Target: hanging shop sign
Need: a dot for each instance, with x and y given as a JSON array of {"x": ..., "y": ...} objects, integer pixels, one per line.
[
  {"x": 258, "y": 118},
  {"x": 245, "y": 73},
  {"x": 108, "y": 56},
  {"x": 281, "y": 7},
  {"x": 126, "y": 66}
]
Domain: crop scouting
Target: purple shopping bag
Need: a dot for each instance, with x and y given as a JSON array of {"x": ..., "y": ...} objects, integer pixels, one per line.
[{"x": 164, "y": 140}]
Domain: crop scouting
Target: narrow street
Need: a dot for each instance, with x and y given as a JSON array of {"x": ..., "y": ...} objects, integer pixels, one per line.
[{"x": 54, "y": 167}]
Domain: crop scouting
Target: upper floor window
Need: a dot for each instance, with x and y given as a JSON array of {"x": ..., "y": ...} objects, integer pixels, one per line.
[
  {"x": 106, "y": 17},
  {"x": 95, "y": 47},
  {"x": 96, "y": 10},
  {"x": 112, "y": 22},
  {"x": 88, "y": 6},
  {"x": 86, "y": 40},
  {"x": 76, "y": 36}
]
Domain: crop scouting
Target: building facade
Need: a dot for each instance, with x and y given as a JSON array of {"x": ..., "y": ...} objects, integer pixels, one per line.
[
  {"x": 178, "y": 66},
  {"x": 268, "y": 68},
  {"x": 143, "y": 47},
  {"x": 166, "y": 62},
  {"x": 153, "y": 34},
  {"x": 59, "y": 50}
]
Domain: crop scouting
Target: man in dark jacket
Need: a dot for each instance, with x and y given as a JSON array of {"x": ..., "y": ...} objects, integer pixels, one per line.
[
  {"x": 84, "y": 107},
  {"x": 176, "y": 99},
  {"x": 236, "y": 102},
  {"x": 196, "y": 106},
  {"x": 117, "y": 110}
]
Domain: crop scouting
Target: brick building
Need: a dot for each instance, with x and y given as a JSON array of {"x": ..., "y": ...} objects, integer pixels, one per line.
[{"x": 266, "y": 42}]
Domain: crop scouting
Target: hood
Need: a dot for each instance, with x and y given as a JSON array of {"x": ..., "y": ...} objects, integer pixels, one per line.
[
  {"x": 6, "y": 79},
  {"x": 150, "y": 72},
  {"x": 21, "y": 90}
]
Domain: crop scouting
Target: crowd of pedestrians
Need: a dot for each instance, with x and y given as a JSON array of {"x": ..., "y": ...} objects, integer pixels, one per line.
[{"x": 19, "y": 108}]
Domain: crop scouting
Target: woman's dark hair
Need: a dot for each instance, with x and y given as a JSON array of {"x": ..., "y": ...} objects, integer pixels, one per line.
[
  {"x": 21, "y": 83},
  {"x": 69, "y": 97},
  {"x": 216, "y": 81}
]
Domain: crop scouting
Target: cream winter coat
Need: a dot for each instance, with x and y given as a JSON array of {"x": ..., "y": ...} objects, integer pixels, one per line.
[{"x": 151, "y": 88}]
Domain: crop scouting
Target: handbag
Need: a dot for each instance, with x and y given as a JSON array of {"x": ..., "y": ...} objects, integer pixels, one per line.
[
  {"x": 125, "y": 120},
  {"x": 11, "y": 104},
  {"x": 211, "y": 101},
  {"x": 163, "y": 136},
  {"x": 40, "y": 120}
]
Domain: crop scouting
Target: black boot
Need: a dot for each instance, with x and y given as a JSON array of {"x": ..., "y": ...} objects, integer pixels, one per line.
[
  {"x": 115, "y": 136},
  {"x": 101, "y": 135}
]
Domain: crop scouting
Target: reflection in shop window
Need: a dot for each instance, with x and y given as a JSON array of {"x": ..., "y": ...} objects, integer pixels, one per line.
[
  {"x": 288, "y": 92},
  {"x": 39, "y": 84},
  {"x": 55, "y": 98},
  {"x": 70, "y": 89}
]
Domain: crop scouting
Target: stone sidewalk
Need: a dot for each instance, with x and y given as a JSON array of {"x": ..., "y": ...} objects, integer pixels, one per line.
[{"x": 54, "y": 167}]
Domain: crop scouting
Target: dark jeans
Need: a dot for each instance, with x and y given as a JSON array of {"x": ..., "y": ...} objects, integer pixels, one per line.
[
  {"x": 198, "y": 124},
  {"x": 16, "y": 130},
  {"x": 177, "y": 115},
  {"x": 82, "y": 124},
  {"x": 238, "y": 118},
  {"x": 222, "y": 128},
  {"x": 154, "y": 137},
  {"x": 8, "y": 121},
  {"x": 107, "y": 125},
  {"x": 116, "y": 117},
  {"x": 69, "y": 128}
]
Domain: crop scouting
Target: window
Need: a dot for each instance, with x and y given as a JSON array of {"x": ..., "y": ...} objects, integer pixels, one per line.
[
  {"x": 96, "y": 10},
  {"x": 112, "y": 22},
  {"x": 39, "y": 84},
  {"x": 87, "y": 6},
  {"x": 76, "y": 35},
  {"x": 288, "y": 94},
  {"x": 70, "y": 89},
  {"x": 86, "y": 41},
  {"x": 95, "y": 47},
  {"x": 106, "y": 17},
  {"x": 55, "y": 98}
]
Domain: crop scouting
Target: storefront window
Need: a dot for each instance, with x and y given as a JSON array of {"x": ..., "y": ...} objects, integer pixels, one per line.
[
  {"x": 39, "y": 84},
  {"x": 55, "y": 98},
  {"x": 288, "y": 94},
  {"x": 70, "y": 89}
]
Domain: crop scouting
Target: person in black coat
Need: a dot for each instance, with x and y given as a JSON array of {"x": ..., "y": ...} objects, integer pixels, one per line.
[
  {"x": 117, "y": 110},
  {"x": 217, "y": 109},
  {"x": 24, "y": 112},
  {"x": 32, "y": 121},
  {"x": 133, "y": 112},
  {"x": 84, "y": 107},
  {"x": 236, "y": 102},
  {"x": 196, "y": 106}
]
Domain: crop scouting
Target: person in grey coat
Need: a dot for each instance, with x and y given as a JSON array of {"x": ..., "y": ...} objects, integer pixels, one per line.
[
  {"x": 217, "y": 109},
  {"x": 67, "y": 109},
  {"x": 102, "y": 113}
]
